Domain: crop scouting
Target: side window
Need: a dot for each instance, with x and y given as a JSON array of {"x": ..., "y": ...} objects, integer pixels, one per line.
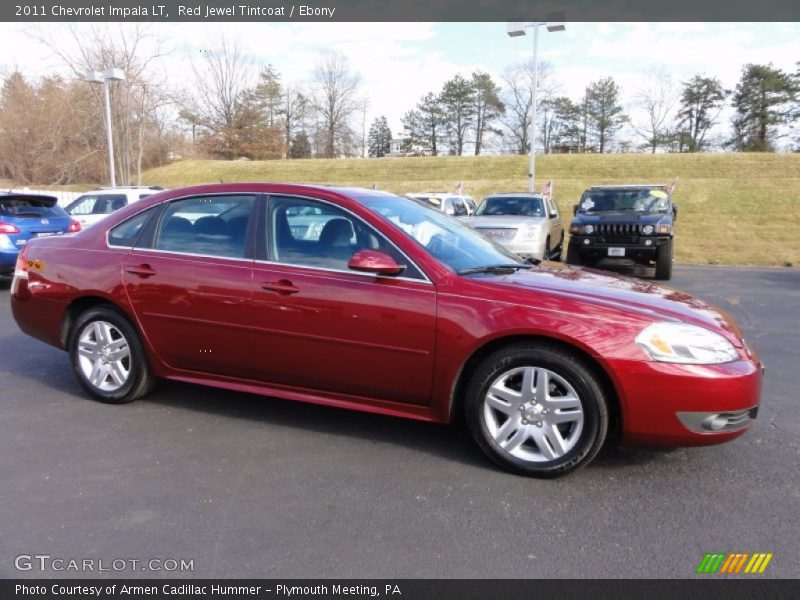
[
  {"x": 315, "y": 234},
  {"x": 82, "y": 206},
  {"x": 127, "y": 232},
  {"x": 206, "y": 225},
  {"x": 459, "y": 208}
]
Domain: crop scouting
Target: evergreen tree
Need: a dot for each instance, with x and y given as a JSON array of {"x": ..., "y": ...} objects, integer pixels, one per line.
[
  {"x": 379, "y": 140},
  {"x": 458, "y": 105},
  {"x": 702, "y": 100},
  {"x": 763, "y": 99},
  {"x": 488, "y": 106},
  {"x": 301, "y": 146},
  {"x": 269, "y": 95},
  {"x": 604, "y": 114},
  {"x": 425, "y": 126}
]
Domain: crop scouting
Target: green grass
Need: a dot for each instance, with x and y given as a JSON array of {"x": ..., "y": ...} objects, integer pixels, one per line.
[{"x": 734, "y": 209}]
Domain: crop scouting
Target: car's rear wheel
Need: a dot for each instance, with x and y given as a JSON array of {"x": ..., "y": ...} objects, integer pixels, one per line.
[
  {"x": 537, "y": 409},
  {"x": 547, "y": 251},
  {"x": 664, "y": 261},
  {"x": 108, "y": 358}
]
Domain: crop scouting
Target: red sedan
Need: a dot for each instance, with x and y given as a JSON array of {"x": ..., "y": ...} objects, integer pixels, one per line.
[{"x": 366, "y": 300}]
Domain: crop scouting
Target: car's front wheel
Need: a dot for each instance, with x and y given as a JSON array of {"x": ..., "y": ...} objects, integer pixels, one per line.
[
  {"x": 108, "y": 358},
  {"x": 664, "y": 260},
  {"x": 537, "y": 409}
]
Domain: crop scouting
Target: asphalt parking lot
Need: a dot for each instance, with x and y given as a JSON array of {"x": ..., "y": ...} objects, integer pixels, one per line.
[{"x": 249, "y": 486}]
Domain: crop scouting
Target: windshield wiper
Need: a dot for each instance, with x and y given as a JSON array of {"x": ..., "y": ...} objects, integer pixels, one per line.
[{"x": 494, "y": 268}]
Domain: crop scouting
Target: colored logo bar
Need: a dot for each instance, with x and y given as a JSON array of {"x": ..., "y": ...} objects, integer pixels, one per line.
[{"x": 737, "y": 562}]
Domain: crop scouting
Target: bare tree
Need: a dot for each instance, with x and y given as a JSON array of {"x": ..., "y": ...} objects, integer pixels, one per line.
[
  {"x": 655, "y": 101},
  {"x": 138, "y": 102},
  {"x": 517, "y": 95},
  {"x": 335, "y": 98}
]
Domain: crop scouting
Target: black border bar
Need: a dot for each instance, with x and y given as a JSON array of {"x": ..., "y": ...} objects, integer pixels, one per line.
[
  {"x": 396, "y": 10},
  {"x": 707, "y": 588}
]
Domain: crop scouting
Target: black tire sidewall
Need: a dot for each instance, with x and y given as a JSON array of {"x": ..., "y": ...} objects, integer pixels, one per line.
[
  {"x": 595, "y": 425},
  {"x": 138, "y": 361},
  {"x": 664, "y": 260}
]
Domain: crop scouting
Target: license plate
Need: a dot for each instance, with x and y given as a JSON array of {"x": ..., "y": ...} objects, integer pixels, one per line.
[
  {"x": 616, "y": 251},
  {"x": 44, "y": 234}
]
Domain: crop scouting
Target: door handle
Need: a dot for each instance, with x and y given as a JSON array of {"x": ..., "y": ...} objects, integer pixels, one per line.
[
  {"x": 143, "y": 271},
  {"x": 284, "y": 287}
]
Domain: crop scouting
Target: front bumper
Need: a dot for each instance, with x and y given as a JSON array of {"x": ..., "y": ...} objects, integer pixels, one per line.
[
  {"x": 667, "y": 404},
  {"x": 641, "y": 249}
]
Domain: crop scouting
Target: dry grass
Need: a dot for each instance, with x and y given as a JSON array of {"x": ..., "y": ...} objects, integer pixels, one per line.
[{"x": 734, "y": 209}]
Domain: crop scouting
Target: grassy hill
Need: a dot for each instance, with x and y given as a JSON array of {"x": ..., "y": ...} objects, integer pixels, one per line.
[{"x": 734, "y": 209}]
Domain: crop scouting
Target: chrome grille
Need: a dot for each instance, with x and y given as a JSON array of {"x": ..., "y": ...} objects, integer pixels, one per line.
[
  {"x": 619, "y": 232},
  {"x": 504, "y": 234}
]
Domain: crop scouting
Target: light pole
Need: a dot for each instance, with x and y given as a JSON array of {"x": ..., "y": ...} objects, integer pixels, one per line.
[
  {"x": 110, "y": 74},
  {"x": 515, "y": 29}
]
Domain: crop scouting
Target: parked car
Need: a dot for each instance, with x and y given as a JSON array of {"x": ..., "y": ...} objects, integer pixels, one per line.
[
  {"x": 543, "y": 361},
  {"x": 527, "y": 224},
  {"x": 94, "y": 206},
  {"x": 452, "y": 204},
  {"x": 24, "y": 217},
  {"x": 627, "y": 222}
]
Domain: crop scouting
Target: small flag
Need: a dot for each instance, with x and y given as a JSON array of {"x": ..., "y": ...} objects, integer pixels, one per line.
[
  {"x": 459, "y": 188},
  {"x": 547, "y": 188},
  {"x": 673, "y": 186}
]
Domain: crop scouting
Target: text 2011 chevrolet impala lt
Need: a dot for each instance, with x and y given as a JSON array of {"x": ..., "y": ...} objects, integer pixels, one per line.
[{"x": 365, "y": 300}]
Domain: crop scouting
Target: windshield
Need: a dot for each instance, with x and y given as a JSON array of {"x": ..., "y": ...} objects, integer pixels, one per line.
[
  {"x": 445, "y": 238},
  {"x": 641, "y": 200},
  {"x": 510, "y": 205}
]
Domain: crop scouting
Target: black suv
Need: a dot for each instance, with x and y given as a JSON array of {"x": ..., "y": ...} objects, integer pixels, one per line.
[{"x": 631, "y": 222}]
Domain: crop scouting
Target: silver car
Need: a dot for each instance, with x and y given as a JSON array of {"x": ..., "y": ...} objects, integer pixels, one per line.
[{"x": 526, "y": 224}]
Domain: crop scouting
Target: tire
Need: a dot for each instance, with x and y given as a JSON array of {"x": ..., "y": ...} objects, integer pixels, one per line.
[
  {"x": 519, "y": 434},
  {"x": 573, "y": 255},
  {"x": 547, "y": 250},
  {"x": 664, "y": 262},
  {"x": 107, "y": 357},
  {"x": 559, "y": 250}
]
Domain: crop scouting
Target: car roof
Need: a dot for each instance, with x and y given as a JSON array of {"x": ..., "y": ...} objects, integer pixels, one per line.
[
  {"x": 630, "y": 186},
  {"x": 517, "y": 194}
]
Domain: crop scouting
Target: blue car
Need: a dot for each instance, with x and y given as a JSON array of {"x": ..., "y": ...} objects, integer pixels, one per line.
[{"x": 27, "y": 216}]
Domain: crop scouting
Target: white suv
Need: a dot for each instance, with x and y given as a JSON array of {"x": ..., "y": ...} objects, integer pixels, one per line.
[
  {"x": 452, "y": 204},
  {"x": 96, "y": 205}
]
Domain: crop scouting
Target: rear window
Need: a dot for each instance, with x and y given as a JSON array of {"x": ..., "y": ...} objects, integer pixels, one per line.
[{"x": 28, "y": 207}]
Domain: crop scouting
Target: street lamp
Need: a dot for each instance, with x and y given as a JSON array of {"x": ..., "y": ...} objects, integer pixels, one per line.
[
  {"x": 110, "y": 74},
  {"x": 516, "y": 29}
]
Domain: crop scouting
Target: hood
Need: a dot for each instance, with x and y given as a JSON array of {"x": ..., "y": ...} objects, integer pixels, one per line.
[
  {"x": 621, "y": 216},
  {"x": 659, "y": 302},
  {"x": 502, "y": 221}
]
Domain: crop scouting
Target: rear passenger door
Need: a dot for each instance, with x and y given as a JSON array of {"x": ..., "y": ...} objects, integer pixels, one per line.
[{"x": 191, "y": 284}]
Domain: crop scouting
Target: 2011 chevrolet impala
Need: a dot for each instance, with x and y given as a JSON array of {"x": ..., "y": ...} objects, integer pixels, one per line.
[{"x": 365, "y": 300}]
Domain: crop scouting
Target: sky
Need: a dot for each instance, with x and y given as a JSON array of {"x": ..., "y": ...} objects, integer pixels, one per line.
[{"x": 400, "y": 62}]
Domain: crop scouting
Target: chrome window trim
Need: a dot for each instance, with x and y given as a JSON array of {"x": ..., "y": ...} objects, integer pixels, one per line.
[
  {"x": 249, "y": 261},
  {"x": 355, "y": 216},
  {"x": 344, "y": 271}
]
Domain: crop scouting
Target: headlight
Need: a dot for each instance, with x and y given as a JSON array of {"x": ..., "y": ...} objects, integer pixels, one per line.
[
  {"x": 588, "y": 229},
  {"x": 530, "y": 234},
  {"x": 687, "y": 344},
  {"x": 648, "y": 229}
]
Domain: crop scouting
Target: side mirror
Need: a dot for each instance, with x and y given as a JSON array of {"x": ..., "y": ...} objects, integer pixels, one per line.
[
  {"x": 575, "y": 209},
  {"x": 553, "y": 214},
  {"x": 674, "y": 212},
  {"x": 374, "y": 261}
]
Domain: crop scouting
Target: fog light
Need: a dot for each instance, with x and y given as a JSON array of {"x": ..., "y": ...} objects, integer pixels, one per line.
[
  {"x": 586, "y": 242},
  {"x": 648, "y": 242}
]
